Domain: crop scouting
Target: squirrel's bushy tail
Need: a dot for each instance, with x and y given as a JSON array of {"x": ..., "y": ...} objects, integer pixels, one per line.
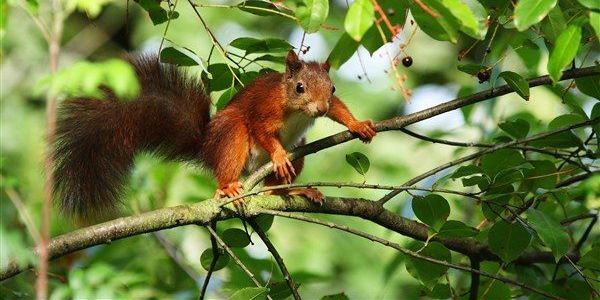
[{"x": 96, "y": 140}]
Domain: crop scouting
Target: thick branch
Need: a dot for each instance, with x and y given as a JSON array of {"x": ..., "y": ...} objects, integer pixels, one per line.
[
  {"x": 402, "y": 121},
  {"x": 209, "y": 210}
]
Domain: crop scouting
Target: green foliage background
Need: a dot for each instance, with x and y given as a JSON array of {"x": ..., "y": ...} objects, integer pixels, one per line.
[{"x": 535, "y": 37}]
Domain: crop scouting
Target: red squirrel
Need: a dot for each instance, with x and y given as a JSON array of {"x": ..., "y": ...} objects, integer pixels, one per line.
[{"x": 96, "y": 140}]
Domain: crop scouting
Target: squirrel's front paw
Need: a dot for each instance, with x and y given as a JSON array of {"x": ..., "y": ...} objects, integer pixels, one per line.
[
  {"x": 282, "y": 166},
  {"x": 364, "y": 129}
]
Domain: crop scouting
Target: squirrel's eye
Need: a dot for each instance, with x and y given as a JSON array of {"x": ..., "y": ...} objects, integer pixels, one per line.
[
  {"x": 299, "y": 88},
  {"x": 333, "y": 89}
]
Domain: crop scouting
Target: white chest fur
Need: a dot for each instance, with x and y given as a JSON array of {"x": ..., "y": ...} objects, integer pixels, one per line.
[{"x": 290, "y": 135}]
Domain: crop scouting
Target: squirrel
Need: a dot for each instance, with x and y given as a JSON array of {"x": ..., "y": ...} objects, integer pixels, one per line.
[{"x": 96, "y": 140}]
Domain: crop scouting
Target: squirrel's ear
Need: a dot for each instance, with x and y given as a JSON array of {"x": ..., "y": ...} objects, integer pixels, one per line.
[
  {"x": 292, "y": 63},
  {"x": 326, "y": 66}
]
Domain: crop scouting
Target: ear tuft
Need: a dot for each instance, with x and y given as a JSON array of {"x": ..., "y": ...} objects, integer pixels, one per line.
[{"x": 292, "y": 63}]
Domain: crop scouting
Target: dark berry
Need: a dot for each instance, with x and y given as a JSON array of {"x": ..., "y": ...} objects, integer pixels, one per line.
[
  {"x": 407, "y": 61},
  {"x": 483, "y": 75}
]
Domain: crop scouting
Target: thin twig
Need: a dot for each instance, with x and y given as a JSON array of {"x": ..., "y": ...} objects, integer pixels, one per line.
[
  {"x": 236, "y": 259},
  {"x": 405, "y": 251},
  {"x": 15, "y": 198},
  {"x": 590, "y": 285},
  {"x": 286, "y": 274},
  {"x": 213, "y": 263}
]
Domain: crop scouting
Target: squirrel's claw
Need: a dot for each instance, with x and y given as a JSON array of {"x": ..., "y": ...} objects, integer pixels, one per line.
[
  {"x": 282, "y": 167},
  {"x": 364, "y": 129}
]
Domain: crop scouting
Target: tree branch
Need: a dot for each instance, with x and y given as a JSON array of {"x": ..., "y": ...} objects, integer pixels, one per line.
[
  {"x": 402, "y": 121},
  {"x": 209, "y": 210}
]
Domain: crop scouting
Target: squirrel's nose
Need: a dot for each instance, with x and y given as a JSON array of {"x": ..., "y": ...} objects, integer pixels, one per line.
[{"x": 322, "y": 108}]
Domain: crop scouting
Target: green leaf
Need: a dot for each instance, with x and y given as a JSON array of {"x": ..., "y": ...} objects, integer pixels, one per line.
[
  {"x": 226, "y": 97},
  {"x": 359, "y": 162},
  {"x": 250, "y": 293},
  {"x": 263, "y": 8},
  {"x": 312, "y": 13},
  {"x": 221, "y": 77},
  {"x": 252, "y": 45},
  {"x": 340, "y": 296},
  {"x": 471, "y": 69},
  {"x": 271, "y": 58},
  {"x": 171, "y": 55},
  {"x": 518, "y": 128},
  {"x": 120, "y": 77},
  {"x": 517, "y": 83},
  {"x": 554, "y": 24},
  {"x": 235, "y": 238},
  {"x": 470, "y": 14},
  {"x": 544, "y": 175},
  {"x": 550, "y": 232},
  {"x": 466, "y": 171},
  {"x": 359, "y": 18},
  {"x": 426, "y": 272},
  {"x": 279, "y": 290},
  {"x": 207, "y": 256},
  {"x": 342, "y": 51},
  {"x": 439, "y": 291},
  {"x": 444, "y": 27},
  {"x": 530, "y": 12},
  {"x": 508, "y": 240},
  {"x": 264, "y": 221},
  {"x": 595, "y": 22},
  {"x": 589, "y": 85},
  {"x": 591, "y": 259},
  {"x": 432, "y": 210},
  {"x": 501, "y": 159},
  {"x": 591, "y": 4},
  {"x": 157, "y": 14},
  {"x": 497, "y": 290},
  {"x": 564, "y": 51},
  {"x": 457, "y": 229}
]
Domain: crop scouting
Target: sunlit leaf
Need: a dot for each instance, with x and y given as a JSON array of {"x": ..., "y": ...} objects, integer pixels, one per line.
[
  {"x": 359, "y": 18},
  {"x": 564, "y": 51},
  {"x": 312, "y": 13},
  {"x": 530, "y": 12},
  {"x": 443, "y": 27}
]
